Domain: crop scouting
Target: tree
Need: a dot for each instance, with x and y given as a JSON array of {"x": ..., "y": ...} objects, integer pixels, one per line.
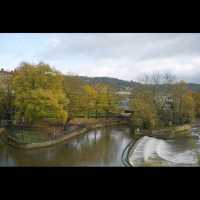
[
  {"x": 182, "y": 103},
  {"x": 2, "y": 102},
  {"x": 40, "y": 104},
  {"x": 39, "y": 94},
  {"x": 108, "y": 99},
  {"x": 169, "y": 101},
  {"x": 101, "y": 99},
  {"x": 74, "y": 90},
  {"x": 91, "y": 97},
  {"x": 196, "y": 97},
  {"x": 144, "y": 113},
  {"x": 6, "y": 99},
  {"x": 188, "y": 108}
]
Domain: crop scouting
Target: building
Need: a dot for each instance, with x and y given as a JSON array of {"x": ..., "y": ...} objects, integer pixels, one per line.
[
  {"x": 125, "y": 99},
  {"x": 4, "y": 76}
]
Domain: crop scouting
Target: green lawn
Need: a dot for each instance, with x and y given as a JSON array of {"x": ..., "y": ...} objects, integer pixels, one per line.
[{"x": 29, "y": 136}]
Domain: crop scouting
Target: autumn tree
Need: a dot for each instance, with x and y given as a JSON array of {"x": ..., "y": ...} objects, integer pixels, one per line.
[
  {"x": 113, "y": 101},
  {"x": 74, "y": 90},
  {"x": 2, "y": 102},
  {"x": 144, "y": 113},
  {"x": 108, "y": 100},
  {"x": 39, "y": 94},
  {"x": 182, "y": 104},
  {"x": 101, "y": 99},
  {"x": 6, "y": 99},
  {"x": 196, "y": 97},
  {"x": 169, "y": 101},
  {"x": 91, "y": 97}
]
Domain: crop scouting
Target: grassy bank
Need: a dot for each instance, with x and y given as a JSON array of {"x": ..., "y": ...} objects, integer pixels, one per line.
[
  {"x": 93, "y": 121},
  {"x": 31, "y": 139},
  {"x": 168, "y": 132}
]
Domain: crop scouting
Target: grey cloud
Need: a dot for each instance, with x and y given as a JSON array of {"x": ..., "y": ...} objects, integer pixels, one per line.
[
  {"x": 103, "y": 45},
  {"x": 185, "y": 44},
  {"x": 125, "y": 55}
]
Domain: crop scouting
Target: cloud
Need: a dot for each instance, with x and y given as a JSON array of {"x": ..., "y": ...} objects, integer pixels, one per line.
[
  {"x": 120, "y": 55},
  {"x": 184, "y": 45},
  {"x": 103, "y": 45}
]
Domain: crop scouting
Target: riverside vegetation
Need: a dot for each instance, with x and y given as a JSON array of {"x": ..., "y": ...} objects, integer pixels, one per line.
[
  {"x": 38, "y": 95},
  {"x": 161, "y": 101}
]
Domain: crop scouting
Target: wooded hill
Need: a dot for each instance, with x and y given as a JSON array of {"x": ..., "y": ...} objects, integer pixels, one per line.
[
  {"x": 123, "y": 84},
  {"x": 117, "y": 83}
]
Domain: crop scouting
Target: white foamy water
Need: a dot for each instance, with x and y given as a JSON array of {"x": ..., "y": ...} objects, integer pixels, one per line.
[
  {"x": 164, "y": 151},
  {"x": 149, "y": 149}
]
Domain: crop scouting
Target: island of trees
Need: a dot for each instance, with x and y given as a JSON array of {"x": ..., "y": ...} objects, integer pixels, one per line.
[{"x": 37, "y": 93}]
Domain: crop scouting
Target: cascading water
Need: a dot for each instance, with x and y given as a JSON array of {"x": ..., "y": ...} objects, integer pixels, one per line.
[
  {"x": 149, "y": 150},
  {"x": 164, "y": 151}
]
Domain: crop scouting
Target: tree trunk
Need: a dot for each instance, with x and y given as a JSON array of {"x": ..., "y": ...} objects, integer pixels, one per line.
[
  {"x": 96, "y": 113},
  {"x": 67, "y": 122}
]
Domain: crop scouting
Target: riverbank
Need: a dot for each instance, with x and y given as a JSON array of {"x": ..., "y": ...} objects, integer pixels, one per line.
[
  {"x": 83, "y": 126},
  {"x": 168, "y": 132}
]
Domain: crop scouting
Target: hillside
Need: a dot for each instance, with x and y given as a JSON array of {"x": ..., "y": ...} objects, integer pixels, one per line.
[
  {"x": 118, "y": 83},
  {"x": 194, "y": 87},
  {"x": 126, "y": 85}
]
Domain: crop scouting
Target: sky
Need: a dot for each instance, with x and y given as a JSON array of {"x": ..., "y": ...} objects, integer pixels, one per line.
[{"x": 120, "y": 55}]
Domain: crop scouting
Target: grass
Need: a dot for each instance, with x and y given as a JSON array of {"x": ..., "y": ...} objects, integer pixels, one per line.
[
  {"x": 45, "y": 131},
  {"x": 30, "y": 136}
]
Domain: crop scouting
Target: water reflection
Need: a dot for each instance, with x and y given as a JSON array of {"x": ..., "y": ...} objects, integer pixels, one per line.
[
  {"x": 104, "y": 147},
  {"x": 101, "y": 147}
]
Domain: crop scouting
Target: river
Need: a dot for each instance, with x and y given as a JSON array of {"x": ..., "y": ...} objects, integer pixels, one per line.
[
  {"x": 100, "y": 147},
  {"x": 104, "y": 147},
  {"x": 179, "y": 152}
]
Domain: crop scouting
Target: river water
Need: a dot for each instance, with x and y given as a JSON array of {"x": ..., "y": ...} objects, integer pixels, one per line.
[
  {"x": 101, "y": 147},
  {"x": 104, "y": 147},
  {"x": 179, "y": 152}
]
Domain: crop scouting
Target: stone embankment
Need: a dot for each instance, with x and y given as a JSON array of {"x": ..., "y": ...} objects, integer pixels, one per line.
[{"x": 20, "y": 144}]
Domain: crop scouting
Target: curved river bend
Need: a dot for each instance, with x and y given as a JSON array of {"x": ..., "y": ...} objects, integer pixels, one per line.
[
  {"x": 101, "y": 147},
  {"x": 104, "y": 147}
]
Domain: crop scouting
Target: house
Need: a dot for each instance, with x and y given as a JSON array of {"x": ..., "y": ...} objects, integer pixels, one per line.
[{"x": 4, "y": 76}]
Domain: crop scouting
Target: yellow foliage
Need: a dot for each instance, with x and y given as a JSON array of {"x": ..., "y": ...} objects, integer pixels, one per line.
[
  {"x": 144, "y": 113},
  {"x": 39, "y": 93}
]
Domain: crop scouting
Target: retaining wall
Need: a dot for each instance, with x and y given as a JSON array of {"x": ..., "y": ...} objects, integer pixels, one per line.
[{"x": 19, "y": 144}]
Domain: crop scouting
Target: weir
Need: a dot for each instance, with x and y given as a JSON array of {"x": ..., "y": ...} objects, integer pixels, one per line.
[{"x": 149, "y": 150}]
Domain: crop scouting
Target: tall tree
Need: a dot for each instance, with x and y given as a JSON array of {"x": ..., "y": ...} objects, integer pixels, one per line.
[
  {"x": 39, "y": 93},
  {"x": 74, "y": 90},
  {"x": 6, "y": 99},
  {"x": 102, "y": 99},
  {"x": 196, "y": 97},
  {"x": 171, "y": 101},
  {"x": 144, "y": 113}
]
